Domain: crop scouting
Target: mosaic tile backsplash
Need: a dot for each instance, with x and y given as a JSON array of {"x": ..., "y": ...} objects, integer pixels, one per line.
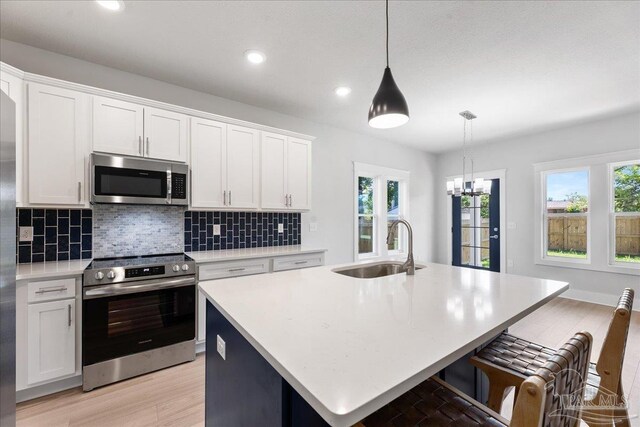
[
  {"x": 125, "y": 230},
  {"x": 240, "y": 230},
  {"x": 58, "y": 234}
]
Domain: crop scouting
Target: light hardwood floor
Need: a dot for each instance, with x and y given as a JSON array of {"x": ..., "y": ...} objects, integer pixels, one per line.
[{"x": 175, "y": 396}]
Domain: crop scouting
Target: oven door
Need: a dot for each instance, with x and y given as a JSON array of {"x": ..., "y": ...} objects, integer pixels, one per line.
[{"x": 127, "y": 318}]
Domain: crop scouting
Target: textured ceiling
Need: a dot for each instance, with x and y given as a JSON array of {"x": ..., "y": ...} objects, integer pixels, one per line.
[{"x": 520, "y": 66}]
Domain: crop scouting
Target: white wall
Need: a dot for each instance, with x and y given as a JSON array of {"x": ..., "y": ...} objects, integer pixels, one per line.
[
  {"x": 517, "y": 156},
  {"x": 333, "y": 151}
]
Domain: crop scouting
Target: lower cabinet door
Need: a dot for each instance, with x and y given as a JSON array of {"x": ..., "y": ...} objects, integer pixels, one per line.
[{"x": 51, "y": 340}]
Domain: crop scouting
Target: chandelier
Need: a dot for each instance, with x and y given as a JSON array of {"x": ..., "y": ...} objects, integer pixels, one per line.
[{"x": 460, "y": 186}]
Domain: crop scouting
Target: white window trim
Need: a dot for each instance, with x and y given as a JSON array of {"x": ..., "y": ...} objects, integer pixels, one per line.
[
  {"x": 554, "y": 260},
  {"x": 380, "y": 174},
  {"x": 613, "y": 214},
  {"x": 598, "y": 251},
  {"x": 500, "y": 174}
]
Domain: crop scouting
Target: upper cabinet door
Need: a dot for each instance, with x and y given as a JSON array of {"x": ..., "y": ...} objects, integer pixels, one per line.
[
  {"x": 58, "y": 120},
  {"x": 117, "y": 127},
  {"x": 273, "y": 152},
  {"x": 14, "y": 87},
  {"x": 208, "y": 163},
  {"x": 165, "y": 135},
  {"x": 299, "y": 173},
  {"x": 242, "y": 167}
]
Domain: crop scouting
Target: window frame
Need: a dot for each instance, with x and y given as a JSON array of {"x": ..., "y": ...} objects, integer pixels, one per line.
[
  {"x": 545, "y": 215},
  {"x": 611, "y": 231},
  {"x": 381, "y": 175}
]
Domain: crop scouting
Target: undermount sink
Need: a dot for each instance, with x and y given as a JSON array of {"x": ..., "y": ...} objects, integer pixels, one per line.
[{"x": 371, "y": 271}]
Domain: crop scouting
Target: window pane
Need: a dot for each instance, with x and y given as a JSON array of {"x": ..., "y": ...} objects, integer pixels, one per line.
[
  {"x": 566, "y": 207},
  {"x": 365, "y": 195},
  {"x": 628, "y": 238},
  {"x": 393, "y": 197},
  {"x": 626, "y": 186},
  {"x": 395, "y": 243},
  {"x": 365, "y": 234}
]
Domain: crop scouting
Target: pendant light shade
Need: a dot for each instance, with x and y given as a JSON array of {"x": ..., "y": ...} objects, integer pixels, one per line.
[{"x": 389, "y": 108}]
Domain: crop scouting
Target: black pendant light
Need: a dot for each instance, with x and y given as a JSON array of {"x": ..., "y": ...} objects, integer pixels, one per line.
[{"x": 389, "y": 108}]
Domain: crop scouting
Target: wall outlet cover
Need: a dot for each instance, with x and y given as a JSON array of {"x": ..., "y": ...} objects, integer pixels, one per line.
[
  {"x": 511, "y": 225},
  {"x": 216, "y": 229},
  {"x": 280, "y": 228},
  {"x": 221, "y": 347},
  {"x": 313, "y": 226},
  {"x": 509, "y": 263},
  {"x": 26, "y": 234}
]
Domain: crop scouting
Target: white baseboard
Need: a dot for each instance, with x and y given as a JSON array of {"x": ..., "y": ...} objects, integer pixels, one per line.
[
  {"x": 597, "y": 298},
  {"x": 50, "y": 388}
]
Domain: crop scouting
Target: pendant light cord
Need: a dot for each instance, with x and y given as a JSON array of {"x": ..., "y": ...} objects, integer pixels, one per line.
[{"x": 387, "y": 5}]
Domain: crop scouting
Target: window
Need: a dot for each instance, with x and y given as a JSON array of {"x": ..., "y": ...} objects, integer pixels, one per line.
[
  {"x": 475, "y": 231},
  {"x": 566, "y": 215},
  {"x": 625, "y": 213},
  {"x": 380, "y": 200}
]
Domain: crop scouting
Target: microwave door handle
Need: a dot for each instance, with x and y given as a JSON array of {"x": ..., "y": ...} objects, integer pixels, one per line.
[{"x": 168, "y": 186}]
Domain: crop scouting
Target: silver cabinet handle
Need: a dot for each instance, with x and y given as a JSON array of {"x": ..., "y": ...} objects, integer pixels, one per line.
[
  {"x": 286, "y": 200},
  {"x": 229, "y": 197},
  {"x": 233, "y": 270},
  {"x": 224, "y": 197},
  {"x": 69, "y": 312},
  {"x": 47, "y": 290},
  {"x": 290, "y": 200},
  {"x": 79, "y": 191},
  {"x": 495, "y": 236},
  {"x": 147, "y": 146},
  {"x": 300, "y": 262},
  {"x": 140, "y": 146}
]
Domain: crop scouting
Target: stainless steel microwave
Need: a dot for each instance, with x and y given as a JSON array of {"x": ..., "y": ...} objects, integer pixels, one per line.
[{"x": 116, "y": 179}]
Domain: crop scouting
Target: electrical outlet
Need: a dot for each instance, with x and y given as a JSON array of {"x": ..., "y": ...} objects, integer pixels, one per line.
[
  {"x": 221, "y": 347},
  {"x": 509, "y": 263},
  {"x": 26, "y": 234},
  {"x": 511, "y": 225},
  {"x": 280, "y": 228},
  {"x": 313, "y": 226},
  {"x": 216, "y": 229}
]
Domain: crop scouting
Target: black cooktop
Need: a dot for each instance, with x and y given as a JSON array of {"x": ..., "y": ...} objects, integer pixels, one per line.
[{"x": 138, "y": 261}]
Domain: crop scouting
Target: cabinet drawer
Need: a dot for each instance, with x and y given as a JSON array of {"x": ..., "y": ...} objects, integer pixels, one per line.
[
  {"x": 298, "y": 261},
  {"x": 221, "y": 270},
  {"x": 48, "y": 290}
]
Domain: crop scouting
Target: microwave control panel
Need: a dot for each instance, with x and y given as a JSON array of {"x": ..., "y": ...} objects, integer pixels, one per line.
[{"x": 178, "y": 186}]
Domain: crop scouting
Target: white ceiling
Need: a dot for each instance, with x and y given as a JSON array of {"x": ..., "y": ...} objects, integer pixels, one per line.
[{"x": 520, "y": 66}]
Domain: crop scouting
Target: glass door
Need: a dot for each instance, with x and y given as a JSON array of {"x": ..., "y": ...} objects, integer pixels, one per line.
[{"x": 476, "y": 230}]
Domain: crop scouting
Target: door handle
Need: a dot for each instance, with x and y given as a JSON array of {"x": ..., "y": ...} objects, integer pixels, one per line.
[
  {"x": 140, "y": 146},
  {"x": 147, "y": 146},
  {"x": 290, "y": 200},
  {"x": 229, "y": 197},
  {"x": 69, "y": 315},
  {"x": 495, "y": 236},
  {"x": 79, "y": 191},
  {"x": 224, "y": 197}
]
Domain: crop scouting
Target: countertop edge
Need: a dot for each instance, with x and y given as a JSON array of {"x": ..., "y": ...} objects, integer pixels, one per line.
[
  {"x": 250, "y": 256},
  {"x": 350, "y": 418}
]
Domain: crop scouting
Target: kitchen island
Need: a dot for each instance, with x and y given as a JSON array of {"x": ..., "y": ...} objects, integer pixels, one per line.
[{"x": 314, "y": 347}]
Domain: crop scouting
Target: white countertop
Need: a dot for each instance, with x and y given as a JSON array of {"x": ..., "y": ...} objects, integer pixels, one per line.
[
  {"x": 51, "y": 269},
  {"x": 235, "y": 254},
  {"x": 349, "y": 346}
]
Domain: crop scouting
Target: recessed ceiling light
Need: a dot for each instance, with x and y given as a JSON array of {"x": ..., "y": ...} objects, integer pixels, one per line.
[
  {"x": 112, "y": 5},
  {"x": 255, "y": 56},
  {"x": 342, "y": 90}
]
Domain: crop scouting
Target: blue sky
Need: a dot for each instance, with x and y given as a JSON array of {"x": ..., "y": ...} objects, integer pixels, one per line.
[{"x": 563, "y": 183}]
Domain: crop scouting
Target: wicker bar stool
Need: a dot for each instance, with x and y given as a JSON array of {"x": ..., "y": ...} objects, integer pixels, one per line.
[
  {"x": 508, "y": 361},
  {"x": 435, "y": 403}
]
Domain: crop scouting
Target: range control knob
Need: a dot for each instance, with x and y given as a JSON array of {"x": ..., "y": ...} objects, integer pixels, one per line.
[
  {"x": 111, "y": 275},
  {"x": 99, "y": 275},
  {"x": 176, "y": 268},
  {"x": 185, "y": 267}
]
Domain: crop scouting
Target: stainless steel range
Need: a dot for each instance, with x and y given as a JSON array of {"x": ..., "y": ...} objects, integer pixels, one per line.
[{"x": 138, "y": 316}]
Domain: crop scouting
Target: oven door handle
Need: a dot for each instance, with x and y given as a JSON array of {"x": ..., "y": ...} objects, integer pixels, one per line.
[{"x": 125, "y": 288}]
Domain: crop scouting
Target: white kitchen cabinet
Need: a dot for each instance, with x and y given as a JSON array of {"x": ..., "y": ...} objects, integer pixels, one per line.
[
  {"x": 14, "y": 87},
  {"x": 208, "y": 163},
  {"x": 51, "y": 340},
  {"x": 165, "y": 135},
  {"x": 118, "y": 126},
  {"x": 243, "y": 167},
  {"x": 286, "y": 172},
  {"x": 224, "y": 165},
  {"x": 58, "y": 131},
  {"x": 130, "y": 129}
]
